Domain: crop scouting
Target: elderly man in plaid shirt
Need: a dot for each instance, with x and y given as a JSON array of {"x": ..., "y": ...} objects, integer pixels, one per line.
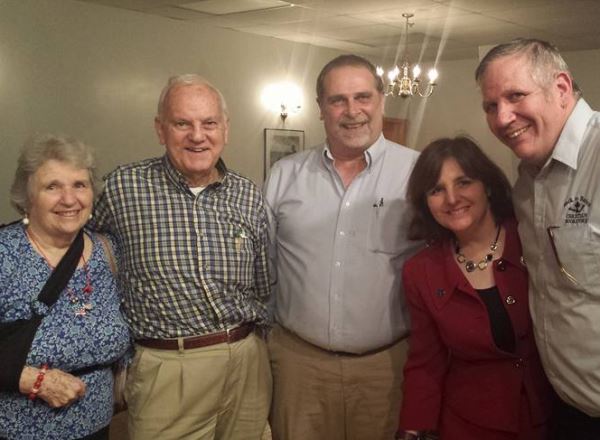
[{"x": 194, "y": 275}]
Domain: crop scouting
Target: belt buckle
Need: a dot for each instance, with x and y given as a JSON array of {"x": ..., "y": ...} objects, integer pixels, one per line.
[{"x": 228, "y": 332}]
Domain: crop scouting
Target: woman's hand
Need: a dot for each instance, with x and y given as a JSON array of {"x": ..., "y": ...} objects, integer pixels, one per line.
[{"x": 58, "y": 388}]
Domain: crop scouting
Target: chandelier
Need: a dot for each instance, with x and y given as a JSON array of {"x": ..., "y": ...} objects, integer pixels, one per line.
[{"x": 400, "y": 82}]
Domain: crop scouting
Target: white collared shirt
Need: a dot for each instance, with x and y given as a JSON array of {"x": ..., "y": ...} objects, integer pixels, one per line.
[{"x": 565, "y": 196}]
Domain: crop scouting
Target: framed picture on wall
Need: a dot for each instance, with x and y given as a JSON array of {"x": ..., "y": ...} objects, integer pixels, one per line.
[{"x": 280, "y": 143}]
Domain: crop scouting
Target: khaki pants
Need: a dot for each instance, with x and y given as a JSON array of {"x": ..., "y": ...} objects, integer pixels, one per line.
[
  {"x": 321, "y": 395},
  {"x": 217, "y": 392}
]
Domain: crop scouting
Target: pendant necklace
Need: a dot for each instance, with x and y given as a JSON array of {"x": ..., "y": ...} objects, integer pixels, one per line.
[
  {"x": 81, "y": 304},
  {"x": 470, "y": 265}
]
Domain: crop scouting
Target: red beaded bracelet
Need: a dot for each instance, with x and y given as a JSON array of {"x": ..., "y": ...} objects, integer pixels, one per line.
[{"x": 38, "y": 382}]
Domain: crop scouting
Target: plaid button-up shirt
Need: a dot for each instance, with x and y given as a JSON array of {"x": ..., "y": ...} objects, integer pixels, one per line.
[{"x": 191, "y": 264}]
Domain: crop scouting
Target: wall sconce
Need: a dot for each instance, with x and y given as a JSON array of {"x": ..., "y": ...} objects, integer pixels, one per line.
[{"x": 282, "y": 98}]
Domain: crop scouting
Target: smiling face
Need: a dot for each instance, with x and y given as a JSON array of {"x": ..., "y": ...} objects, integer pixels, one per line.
[
  {"x": 458, "y": 202},
  {"x": 194, "y": 131},
  {"x": 60, "y": 200},
  {"x": 351, "y": 110},
  {"x": 523, "y": 115}
]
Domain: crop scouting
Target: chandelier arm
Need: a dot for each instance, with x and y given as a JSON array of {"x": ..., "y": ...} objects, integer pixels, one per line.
[{"x": 428, "y": 91}]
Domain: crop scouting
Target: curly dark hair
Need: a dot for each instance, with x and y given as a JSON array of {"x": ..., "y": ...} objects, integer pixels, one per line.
[{"x": 475, "y": 165}]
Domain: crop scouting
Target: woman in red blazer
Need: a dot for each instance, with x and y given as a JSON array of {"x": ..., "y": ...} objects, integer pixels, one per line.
[{"x": 473, "y": 372}]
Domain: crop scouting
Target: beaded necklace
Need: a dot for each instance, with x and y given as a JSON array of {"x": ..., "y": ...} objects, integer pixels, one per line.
[
  {"x": 470, "y": 265},
  {"x": 81, "y": 304}
]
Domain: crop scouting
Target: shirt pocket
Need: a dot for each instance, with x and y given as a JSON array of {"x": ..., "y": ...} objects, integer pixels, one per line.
[
  {"x": 237, "y": 248},
  {"x": 238, "y": 244},
  {"x": 387, "y": 227},
  {"x": 578, "y": 251}
]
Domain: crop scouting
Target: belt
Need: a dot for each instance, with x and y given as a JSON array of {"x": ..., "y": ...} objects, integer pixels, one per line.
[
  {"x": 364, "y": 353},
  {"x": 230, "y": 336},
  {"x": 344, "y": 353}
]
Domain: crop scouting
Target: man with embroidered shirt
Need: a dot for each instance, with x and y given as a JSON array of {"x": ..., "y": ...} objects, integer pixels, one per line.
[
  {"x": 337, "y": 217},
  {"x": 534, "y": 107},
  {"x": 195, "y": 277}
]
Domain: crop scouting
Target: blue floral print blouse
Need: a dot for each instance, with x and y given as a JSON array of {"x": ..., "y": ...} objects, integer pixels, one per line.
[{"x": 63, "y": 340}]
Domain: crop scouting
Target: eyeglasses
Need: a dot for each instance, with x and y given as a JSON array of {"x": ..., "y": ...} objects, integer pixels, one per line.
[{"x": 564, "y": 271}]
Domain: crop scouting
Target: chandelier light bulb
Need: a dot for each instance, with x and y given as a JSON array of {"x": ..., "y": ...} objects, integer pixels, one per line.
[
  {"x": 393, "y": 74},
  {"x": 379, "y": 71},
  {"x": 416, "y": 71},
  {"x": 432, "y": 75}
]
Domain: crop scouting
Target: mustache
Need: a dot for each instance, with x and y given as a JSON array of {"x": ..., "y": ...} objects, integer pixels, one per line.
[{"x": 361, "y": 120}]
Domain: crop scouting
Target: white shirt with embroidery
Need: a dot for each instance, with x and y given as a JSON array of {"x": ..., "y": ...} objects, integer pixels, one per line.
[{"x": 559, "y": 223}]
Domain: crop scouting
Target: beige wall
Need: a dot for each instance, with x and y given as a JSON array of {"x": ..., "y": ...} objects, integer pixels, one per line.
[{"x": 95, "y": 72}]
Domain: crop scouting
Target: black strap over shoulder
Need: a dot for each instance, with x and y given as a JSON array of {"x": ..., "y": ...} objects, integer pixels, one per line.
[
  {"x": 4, "y": 225},
  {"x": 62, "y": 273},
  {"x": 16, "y": 336}
]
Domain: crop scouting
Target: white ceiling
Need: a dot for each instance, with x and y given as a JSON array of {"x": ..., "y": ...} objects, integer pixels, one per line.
[{"x": 443, "y": 29}]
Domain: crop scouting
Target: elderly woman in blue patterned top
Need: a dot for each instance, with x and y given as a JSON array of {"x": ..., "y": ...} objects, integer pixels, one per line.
[{"x": 83, "y": 333}]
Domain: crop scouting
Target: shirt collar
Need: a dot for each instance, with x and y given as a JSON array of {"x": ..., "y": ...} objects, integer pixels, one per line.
[
  {"x": 569, "y": 142},
  {"x": 372, "y": 154}
]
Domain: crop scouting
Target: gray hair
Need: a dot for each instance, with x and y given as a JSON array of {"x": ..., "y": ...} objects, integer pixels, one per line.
[
  {"x": 40, "y": 149},
  {"x": 344, "y": 61},
  {"x": 544, "y": 59},
  {"x": 188, "y": 79}
]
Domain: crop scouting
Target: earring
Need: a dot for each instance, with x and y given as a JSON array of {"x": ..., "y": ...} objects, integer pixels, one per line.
[
  {"x": 25, "y": 220},
  {"x": 90, "y": 217}
]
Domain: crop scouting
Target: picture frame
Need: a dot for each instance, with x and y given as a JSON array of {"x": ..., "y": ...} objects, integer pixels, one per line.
[{"x": 280, "y": 142}]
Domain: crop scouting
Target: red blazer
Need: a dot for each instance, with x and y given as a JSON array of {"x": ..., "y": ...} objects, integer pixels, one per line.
[{"x": 453, "y": 361}]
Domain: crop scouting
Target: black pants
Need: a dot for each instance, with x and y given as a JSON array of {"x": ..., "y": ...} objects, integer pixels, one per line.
[
  {"x": 571, "y": 424},
  {"x": 98, "y": 435}
]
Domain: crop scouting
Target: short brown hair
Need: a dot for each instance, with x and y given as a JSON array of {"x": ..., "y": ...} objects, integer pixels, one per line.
[
  {"x": 343, "y": 61},
  {"x": 475, "y": 165}
]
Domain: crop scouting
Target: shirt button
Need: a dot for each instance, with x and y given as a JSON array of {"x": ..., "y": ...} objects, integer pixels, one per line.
[
  {"x": 510, "y": 300},
  {"x": 440, "y": 292},
  {"x": 501, "y": 265},
  {"x": 338, "y": 264},
  {"x": 519, "y": 363},
  {"x": 342, "y": 233},
  {"x": 523, "y": 262},
  {"x": 347, "y": 203}
]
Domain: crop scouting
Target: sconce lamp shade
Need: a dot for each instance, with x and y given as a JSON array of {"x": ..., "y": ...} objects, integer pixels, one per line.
[{"x": 282, "y": 98}]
